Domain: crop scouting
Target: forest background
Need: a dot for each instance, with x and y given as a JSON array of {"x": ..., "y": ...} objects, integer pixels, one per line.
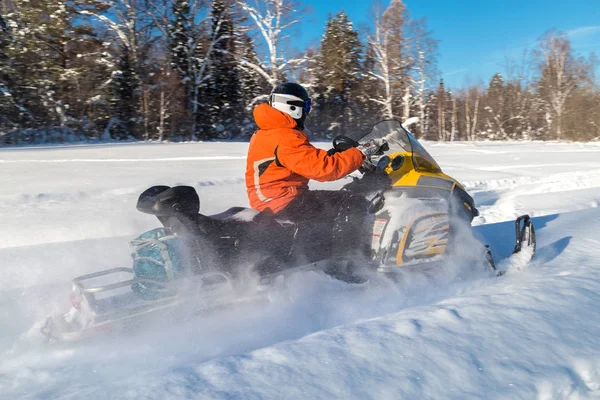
[{"x": 91, "y": 70}]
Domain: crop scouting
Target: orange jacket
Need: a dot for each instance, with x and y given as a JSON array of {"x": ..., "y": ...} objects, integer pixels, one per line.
[{"x": 281, "y": 161}]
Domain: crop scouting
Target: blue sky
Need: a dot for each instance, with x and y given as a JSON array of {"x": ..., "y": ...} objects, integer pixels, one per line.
[{"x": 476, "y": 36}]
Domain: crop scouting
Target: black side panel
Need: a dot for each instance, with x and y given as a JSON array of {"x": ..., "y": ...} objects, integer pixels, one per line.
[
  {"x": 463, "y": 204},
  {"x": 263, "y": 167},
  {"x": 277, "y": 158},
  {"x": 426, "y": 192}
]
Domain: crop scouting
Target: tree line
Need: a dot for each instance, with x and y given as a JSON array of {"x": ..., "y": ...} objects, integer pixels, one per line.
[{"x": 195, "y": 69}]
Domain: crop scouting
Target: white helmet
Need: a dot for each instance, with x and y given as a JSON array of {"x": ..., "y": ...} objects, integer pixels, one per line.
[{"x": 292, "y": 99}]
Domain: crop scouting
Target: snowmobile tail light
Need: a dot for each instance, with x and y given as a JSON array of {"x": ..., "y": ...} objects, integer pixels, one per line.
[{"x": 76, "y": 301}]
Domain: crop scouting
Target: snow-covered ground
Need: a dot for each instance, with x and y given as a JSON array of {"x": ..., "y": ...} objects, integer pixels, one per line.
[{"x": 533, "y": 333}]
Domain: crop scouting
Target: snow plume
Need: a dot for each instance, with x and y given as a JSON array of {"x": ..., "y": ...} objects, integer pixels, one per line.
[
  {"x": 288, "y": 309},
  {"x": 312, "y": 301}
]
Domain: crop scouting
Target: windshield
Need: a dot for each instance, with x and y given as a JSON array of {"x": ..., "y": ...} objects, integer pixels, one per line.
[{"x": 401, "y": 140}]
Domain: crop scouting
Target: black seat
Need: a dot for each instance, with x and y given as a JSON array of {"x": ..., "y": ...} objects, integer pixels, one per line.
[
  {"x": 236, "y": 214},
  {"x": 165, "y": 201},
  {"x": 231, "y": 235}
]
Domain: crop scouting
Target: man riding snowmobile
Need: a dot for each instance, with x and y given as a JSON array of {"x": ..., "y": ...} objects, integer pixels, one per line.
[
  {"x": 402, "y": 213},
  {"x": 281, "y": 161}
]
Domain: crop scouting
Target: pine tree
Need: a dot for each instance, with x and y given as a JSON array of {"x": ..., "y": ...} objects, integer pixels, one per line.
[
  {"x": 123, "y": 100},
  {"x": 8, "y": 107},
  {"x": 181, "y": 37},
  {"x": 131, "y": 34},
  {"x": 48, "y": 74},
  {"x": 505, "y": 108},
  {"x": 39, "y": 32},
  {"x": 337, "y": 77},
  {"x": 222, "y": 94},
  {"x": 495, "y": 107}
]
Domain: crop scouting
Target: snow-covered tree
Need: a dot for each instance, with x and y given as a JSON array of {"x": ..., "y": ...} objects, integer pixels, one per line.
[
  {"x": 253, "y": 86},
  {"x": 123, "y": 88},
  {"x": 472, "y": 112},
  {"x": 46, "y": 75},
  {"x": 496, "y": 115},
  {"x": 221, "y": 94},
  {"x": 561, "y": 74},
  {"x": 184, "y": 31},
  {"x": 441, "y": 112},
  {"x": 370, "y": 88},
  {"x": 132, "y": 31},
  {"x": 157, "y": 69},
  {"x": 180, "y": 31},
  {"x": 206, "y": 44},
  {"x": 271, "y": 19},
  {"x": 8, "y": 107},
  {"x": 392, "y": 58},
  {"x": 506, "y": 107},
  {"x": 337, "y": 76},
  {"x": 423, "y": 50}
]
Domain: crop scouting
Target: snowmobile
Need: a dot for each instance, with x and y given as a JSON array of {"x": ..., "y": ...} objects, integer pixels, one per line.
[{"x": 415, "y": 219}]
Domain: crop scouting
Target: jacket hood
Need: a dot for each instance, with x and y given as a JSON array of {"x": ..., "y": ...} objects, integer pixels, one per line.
[{"x": 267, "y": 118}]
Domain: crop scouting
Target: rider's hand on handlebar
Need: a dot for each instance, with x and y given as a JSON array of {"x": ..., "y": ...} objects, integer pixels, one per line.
[{"x": 372, "y": 147}]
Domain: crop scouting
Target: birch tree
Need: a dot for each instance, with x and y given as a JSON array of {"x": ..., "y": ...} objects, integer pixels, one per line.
[
  {"x": 272, "y": 19},
  {"x": 441, "y": 112},
  {"x": 454, "y": 119},
  {"x": 392, "y": 59},
  {"x": 561, "y": 74},
  {"x": 132, "y": 28},
  {"x": 471, "y": 117},
  {"x": 424, "y": 66}
]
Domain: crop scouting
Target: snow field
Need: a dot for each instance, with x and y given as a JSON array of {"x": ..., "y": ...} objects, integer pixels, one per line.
[{"x": 532, "y": 333}]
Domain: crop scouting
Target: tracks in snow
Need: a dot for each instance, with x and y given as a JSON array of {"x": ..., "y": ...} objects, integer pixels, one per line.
[{"x": 502, "y": 199}]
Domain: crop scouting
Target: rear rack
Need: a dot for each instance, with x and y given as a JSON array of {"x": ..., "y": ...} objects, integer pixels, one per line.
[
  {"x": 98, "y": 289},
  {"x": 208, "y": 279},
  {"x": 90, "y": 315}
]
